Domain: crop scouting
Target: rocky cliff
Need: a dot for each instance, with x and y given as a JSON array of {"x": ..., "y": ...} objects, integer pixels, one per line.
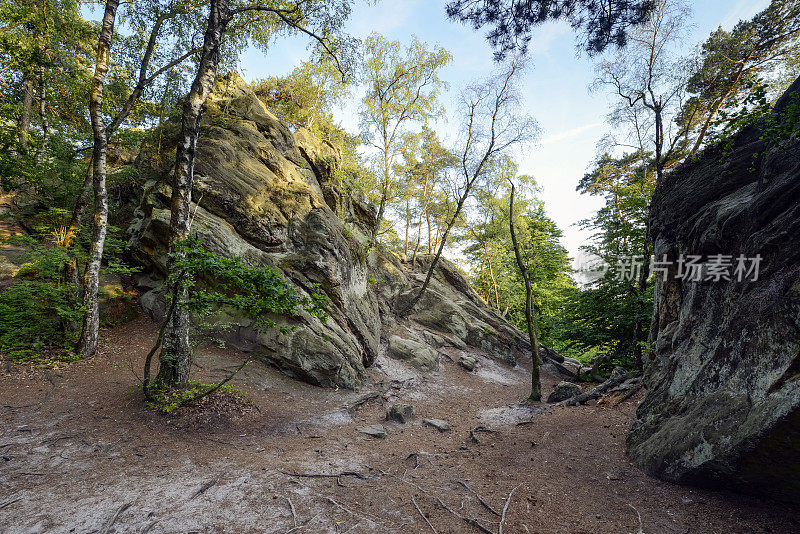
[
  {"x": 723, "y": 400},
  {"x": 268, "y": 195}
]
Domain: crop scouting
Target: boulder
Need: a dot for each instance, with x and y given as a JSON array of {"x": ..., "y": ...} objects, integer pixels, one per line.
[
  {"x": 467, "y": 362},
  {"x": 401, "y": 413},
  {"x": 722, "y": 407},
  {"x": 415, "y": 353},
  {"x": 450, "y": 306},
  {"x": 268, "y": 195},
  {"x": 564, "y": 390}
]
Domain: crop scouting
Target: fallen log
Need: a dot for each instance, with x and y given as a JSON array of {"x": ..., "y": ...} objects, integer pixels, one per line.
[{"x": 617, "y": 377}]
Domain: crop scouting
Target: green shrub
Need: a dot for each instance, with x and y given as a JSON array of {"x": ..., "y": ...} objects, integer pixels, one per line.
[{"x": 258, "y": 293}]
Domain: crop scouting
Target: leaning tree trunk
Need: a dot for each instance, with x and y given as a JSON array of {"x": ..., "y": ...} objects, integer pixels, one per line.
[
  {"x": 464, "y": 195},
  {"x": 530, "y": 313},
  {"x": 91, "y": 277},
  {"x": 25, "y": 118},
  {"x": 175, "y": 350}
]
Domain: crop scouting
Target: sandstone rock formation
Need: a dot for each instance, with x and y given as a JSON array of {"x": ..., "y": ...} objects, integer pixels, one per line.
[
  {"x": 723, "y": 400},
  {"x": 269, "y": 196}
]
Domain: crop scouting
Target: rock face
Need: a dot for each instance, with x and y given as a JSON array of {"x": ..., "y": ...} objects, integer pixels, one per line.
[
  {"x": 723, "y": 400},
  {"x": 269, "y": 196}
]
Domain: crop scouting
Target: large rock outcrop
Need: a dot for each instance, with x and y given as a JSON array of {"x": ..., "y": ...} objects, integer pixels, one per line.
[
  {"x": 265, "y": 195},
  {"x": 723, "y": 400},
  {"x": 269, "y": 196}
]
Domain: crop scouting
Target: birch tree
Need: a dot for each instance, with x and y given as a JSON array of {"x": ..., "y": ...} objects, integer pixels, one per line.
[
  {"x": 402, "y": 90},
  {"x": 530, "y": 312},
  {"x": 96, "y": 175},
  {"x": 317, "y": 19},
  {"x": 492, "y": 124}
]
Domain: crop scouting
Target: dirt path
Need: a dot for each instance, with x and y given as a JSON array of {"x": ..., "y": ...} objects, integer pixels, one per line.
[{"x": 78, "y": 453}]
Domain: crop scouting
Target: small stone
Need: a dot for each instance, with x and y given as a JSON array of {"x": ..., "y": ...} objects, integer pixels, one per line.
[
  {"x": 467, "y": 362},
  {"x": 402, "y": 413},
  {"x": 376, "y": 431},
  {"x": 564, "y": 390},
  {"x": 439, "y": 424}
]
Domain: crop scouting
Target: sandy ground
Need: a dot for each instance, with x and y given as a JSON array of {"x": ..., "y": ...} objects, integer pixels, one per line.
[{"x": 80, "y": 453}]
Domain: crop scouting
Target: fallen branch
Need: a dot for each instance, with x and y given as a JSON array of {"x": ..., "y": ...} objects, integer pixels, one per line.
[
  {"x": 208, "y": 485},
  {"x": 357, "y": 514},
  {"x": 641, "y": 527},
  {"x": 116, "y": 515},
  {"x": 423, "y": 515},
  {"x": 505, "y": 509},
  {"x": 294, "y": 514},
  {"x": 629, "y": 394},
  {"x": 9, "y": 503},
  {"x": 218, "y": 385},
  {"x": 303, "y": 525},
  {"x": 467, "y": 520},
  {"x": 330, "y": 475}
]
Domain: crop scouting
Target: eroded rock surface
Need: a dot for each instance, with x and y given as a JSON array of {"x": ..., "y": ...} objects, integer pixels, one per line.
[{"x": 723, "y": 400}]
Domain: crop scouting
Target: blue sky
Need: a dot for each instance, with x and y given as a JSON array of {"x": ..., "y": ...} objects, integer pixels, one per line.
[{"x": 555, "y": 88}]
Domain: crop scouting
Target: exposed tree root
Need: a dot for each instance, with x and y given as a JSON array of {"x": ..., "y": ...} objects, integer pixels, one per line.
[{"x": 114, "y": 517}]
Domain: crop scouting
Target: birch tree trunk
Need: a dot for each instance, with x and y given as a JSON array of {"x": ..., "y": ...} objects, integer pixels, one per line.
[
  {"x": 91, "y": 278},
  {"x": 530, "y": 313},
  {"x": 175, "y": 350}
]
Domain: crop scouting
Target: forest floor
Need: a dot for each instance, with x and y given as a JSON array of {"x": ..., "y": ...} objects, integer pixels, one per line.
[{"x": 80, "y": 453}]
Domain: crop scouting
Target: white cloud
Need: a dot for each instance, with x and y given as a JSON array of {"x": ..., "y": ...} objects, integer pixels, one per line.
[
  {"x": 550, "y": 139},
  {"x": 743, "y": 9}
]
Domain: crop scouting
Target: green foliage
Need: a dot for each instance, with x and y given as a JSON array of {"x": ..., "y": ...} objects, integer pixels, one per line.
[
  {"x": 168, "y": 399},
  {"x": 403, "y": 87},
  {"x": 496, "y": 276},
  {"x": 305, "y": 98},
  {"x": 39, "y": 315},
  {"x": 739, "y": 71},
  {"x": 421, "y": 188},
  {"x": 756, "y": 111},
  {"x": 259, "y": 293},
  {"x": 35, "y": 321},
  {"x": 612, "y": 313}
]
